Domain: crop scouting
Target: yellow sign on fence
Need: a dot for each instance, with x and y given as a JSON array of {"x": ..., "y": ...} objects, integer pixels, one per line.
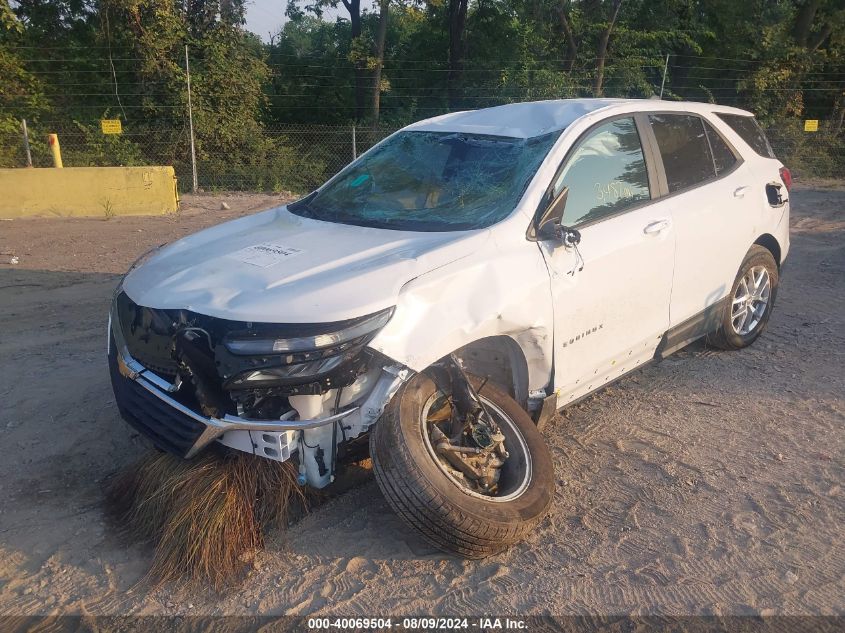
[
  {"x": 811, "y": 125},
  {"x": 111, "y": 126}
]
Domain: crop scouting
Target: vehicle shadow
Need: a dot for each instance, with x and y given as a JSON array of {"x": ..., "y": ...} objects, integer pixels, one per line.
[{"x": 64, "y": 438}]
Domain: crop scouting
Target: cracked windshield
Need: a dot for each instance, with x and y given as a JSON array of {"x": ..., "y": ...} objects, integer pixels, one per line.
[{"x": 431, "y": 181}]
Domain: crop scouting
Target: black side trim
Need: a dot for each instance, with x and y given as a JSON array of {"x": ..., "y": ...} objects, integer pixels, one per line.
[{"x": 703, "y": 323}]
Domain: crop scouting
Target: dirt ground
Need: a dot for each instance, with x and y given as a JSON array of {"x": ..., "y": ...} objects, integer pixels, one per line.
[{"x": 711, "y": 483}]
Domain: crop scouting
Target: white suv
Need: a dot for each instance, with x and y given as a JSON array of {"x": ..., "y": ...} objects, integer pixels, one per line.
[{"x": 451, "y": 289}]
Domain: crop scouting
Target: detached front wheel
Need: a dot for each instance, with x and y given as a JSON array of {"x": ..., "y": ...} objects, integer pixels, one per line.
[{"x": 465, "y": 490}]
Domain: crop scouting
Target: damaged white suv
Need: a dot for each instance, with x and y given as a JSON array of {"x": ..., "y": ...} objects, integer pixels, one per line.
[{"x": 451, "y": 289}]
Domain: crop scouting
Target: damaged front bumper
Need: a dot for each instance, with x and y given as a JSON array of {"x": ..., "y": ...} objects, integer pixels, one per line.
[{"x": 148, "y": 402}]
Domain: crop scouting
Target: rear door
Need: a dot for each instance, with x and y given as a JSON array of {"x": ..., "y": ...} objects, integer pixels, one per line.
[
  {"x": 611, "y": 293},
  {"x": 709, "y": 189}
]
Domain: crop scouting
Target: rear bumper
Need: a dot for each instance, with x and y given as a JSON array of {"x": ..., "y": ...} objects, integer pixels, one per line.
[{"x": 145, "y": 402}]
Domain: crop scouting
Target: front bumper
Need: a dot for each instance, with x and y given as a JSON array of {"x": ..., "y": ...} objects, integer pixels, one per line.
[{"x": 144, "y": 400}]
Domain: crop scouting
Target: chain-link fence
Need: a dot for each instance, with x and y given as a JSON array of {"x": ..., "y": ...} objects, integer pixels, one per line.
[
  {"x": 298, "y": 158},
  {"x": 819, "y": 154},
  {"x": 294, "y": 158}
]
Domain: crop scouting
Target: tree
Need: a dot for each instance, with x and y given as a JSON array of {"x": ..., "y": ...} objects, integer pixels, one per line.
[
  {"x": 384, "y": 7},
  {"x": 563, "y": 11},
  {"x": 357, "y": 46},
  {"x": 604, "y": 40},
  {"x": 399, "y": 62},
  {"x": 457, "y": 48},
  {"x": 800, "y": 43},
  {"x": 22, "y": 94},
  {"x": 354, "y": 9}
]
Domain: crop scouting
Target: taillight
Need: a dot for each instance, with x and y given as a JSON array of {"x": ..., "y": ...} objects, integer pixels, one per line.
[{"x": 786, "y": 176}]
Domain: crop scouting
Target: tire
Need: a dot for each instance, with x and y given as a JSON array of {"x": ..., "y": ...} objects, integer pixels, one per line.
[
  {"x": 436, "y": 506},
  {"x": 729, "y": 336}
]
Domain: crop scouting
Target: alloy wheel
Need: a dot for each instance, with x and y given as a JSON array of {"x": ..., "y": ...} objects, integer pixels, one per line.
[{"x": 750, "y": 300}]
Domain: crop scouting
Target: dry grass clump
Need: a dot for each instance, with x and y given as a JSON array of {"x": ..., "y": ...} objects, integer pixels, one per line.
[{"x": 205, "y": 517}]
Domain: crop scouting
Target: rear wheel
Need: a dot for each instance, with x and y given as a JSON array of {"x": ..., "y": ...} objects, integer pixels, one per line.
[
  {"x": 433, "y": 482},
  {"x": 750, "y": 302}
]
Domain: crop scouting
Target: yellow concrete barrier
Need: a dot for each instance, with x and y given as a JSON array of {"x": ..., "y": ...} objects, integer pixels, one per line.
[{"x": 87, "y": 191}]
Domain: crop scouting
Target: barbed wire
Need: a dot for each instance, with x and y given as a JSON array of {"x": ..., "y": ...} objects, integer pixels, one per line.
[
  {"x": 302, "y": 156},
  {"x": 469, "y": 69}
]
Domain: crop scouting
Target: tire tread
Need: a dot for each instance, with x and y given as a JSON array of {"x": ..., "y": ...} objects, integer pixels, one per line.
[{"x": 436, "y": 518}]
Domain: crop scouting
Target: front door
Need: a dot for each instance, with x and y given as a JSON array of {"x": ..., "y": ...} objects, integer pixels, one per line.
[{"x": 611, "y": 292}]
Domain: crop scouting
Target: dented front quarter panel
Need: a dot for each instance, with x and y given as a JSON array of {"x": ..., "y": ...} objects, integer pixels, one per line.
[{"x": 501, "y": 290}]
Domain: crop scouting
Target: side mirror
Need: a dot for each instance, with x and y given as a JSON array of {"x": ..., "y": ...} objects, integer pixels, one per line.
[
  {"x": 549, "y": 226},
  {"x": 571, "y": 237}
]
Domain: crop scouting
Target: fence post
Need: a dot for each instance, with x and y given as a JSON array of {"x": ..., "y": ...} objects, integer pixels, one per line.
[
  {"x": 354, "y": 144},
  {"x": 665, "y": 68},
  {"x": 53, "y": 142},
  {"x": 26, "y": 143},
  {"x": 191, "y": 123}
]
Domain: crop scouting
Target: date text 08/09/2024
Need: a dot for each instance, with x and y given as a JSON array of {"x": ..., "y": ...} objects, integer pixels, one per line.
[{"x": 418, "y": 624}]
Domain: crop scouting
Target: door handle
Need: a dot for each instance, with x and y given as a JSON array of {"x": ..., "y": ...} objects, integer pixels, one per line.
[
  {"x": 739, "y": 192},
  {"x": 658, "y": 226}
]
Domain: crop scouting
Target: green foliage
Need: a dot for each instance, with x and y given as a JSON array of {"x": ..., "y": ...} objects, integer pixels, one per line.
[
  {"x": 8, "y": 21},
  {"x": 89, "y": 147},
  {"x": 809, "y": 154},
  {"x": 274, "y": 164},
  {"x": 65, "y": 64},
  {"x": 21, "y": 92}
]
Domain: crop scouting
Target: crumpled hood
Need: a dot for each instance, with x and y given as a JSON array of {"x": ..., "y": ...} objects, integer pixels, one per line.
[{"x": 281, "y": 268}]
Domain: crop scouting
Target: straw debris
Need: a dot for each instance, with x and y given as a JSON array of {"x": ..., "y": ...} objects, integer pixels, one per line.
[{"x": 206, "y": 517}]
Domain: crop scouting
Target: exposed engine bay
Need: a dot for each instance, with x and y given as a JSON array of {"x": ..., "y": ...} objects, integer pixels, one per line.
[
  {"x": 238, "y": 367},
  {"x": 257, "y": 373}
]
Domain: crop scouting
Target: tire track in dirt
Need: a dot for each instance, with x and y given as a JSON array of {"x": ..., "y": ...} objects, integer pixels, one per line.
[{"x": 709, "y": 483}]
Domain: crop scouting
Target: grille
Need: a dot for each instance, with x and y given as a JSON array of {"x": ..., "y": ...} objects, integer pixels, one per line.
[{"x": 167, "y": 428}]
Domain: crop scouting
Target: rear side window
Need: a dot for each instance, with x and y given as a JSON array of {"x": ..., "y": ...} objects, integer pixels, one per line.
[
  {"x": 723, "y": 156},
  {"x": 750, "y": 132},
  {"x": 684, "y": 148},
  {"x": 606, "y": 174}
]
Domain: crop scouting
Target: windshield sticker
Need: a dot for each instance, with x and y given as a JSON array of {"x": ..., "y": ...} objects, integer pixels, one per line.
[{"x": 266, "y": 254}]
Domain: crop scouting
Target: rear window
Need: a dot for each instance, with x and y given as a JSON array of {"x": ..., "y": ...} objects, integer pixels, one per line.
[
  {"x": 684, "y": 148},
  {"x": 723, "y": 157},
  {"x": 749, "y": 131}
]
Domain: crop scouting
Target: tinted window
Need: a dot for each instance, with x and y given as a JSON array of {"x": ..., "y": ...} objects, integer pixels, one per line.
[
  {"x": 723, "y": 156},
  {"x": 606, "y": 174},
  {"x": 750, "y": 132},
  {"x": 684, "y": 148},
  {"x": 431, "y": 181}
]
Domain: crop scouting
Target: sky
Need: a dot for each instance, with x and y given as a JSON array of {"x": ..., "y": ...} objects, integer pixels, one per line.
[{"x": 264, "y": 17}]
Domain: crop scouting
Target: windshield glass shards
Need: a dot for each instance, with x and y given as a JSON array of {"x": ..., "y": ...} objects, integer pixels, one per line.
[{"x": 431, "y": 181}]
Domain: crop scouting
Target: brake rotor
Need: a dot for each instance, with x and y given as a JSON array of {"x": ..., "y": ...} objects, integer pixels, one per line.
[{"x": 474, "y": 456}]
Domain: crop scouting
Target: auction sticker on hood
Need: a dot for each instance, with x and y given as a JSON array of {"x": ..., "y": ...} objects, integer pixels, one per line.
[{"x": 266, "y": 254}]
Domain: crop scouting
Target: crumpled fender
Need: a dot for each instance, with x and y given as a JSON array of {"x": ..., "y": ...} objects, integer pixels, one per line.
[{"x": 503, "y": 290}]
